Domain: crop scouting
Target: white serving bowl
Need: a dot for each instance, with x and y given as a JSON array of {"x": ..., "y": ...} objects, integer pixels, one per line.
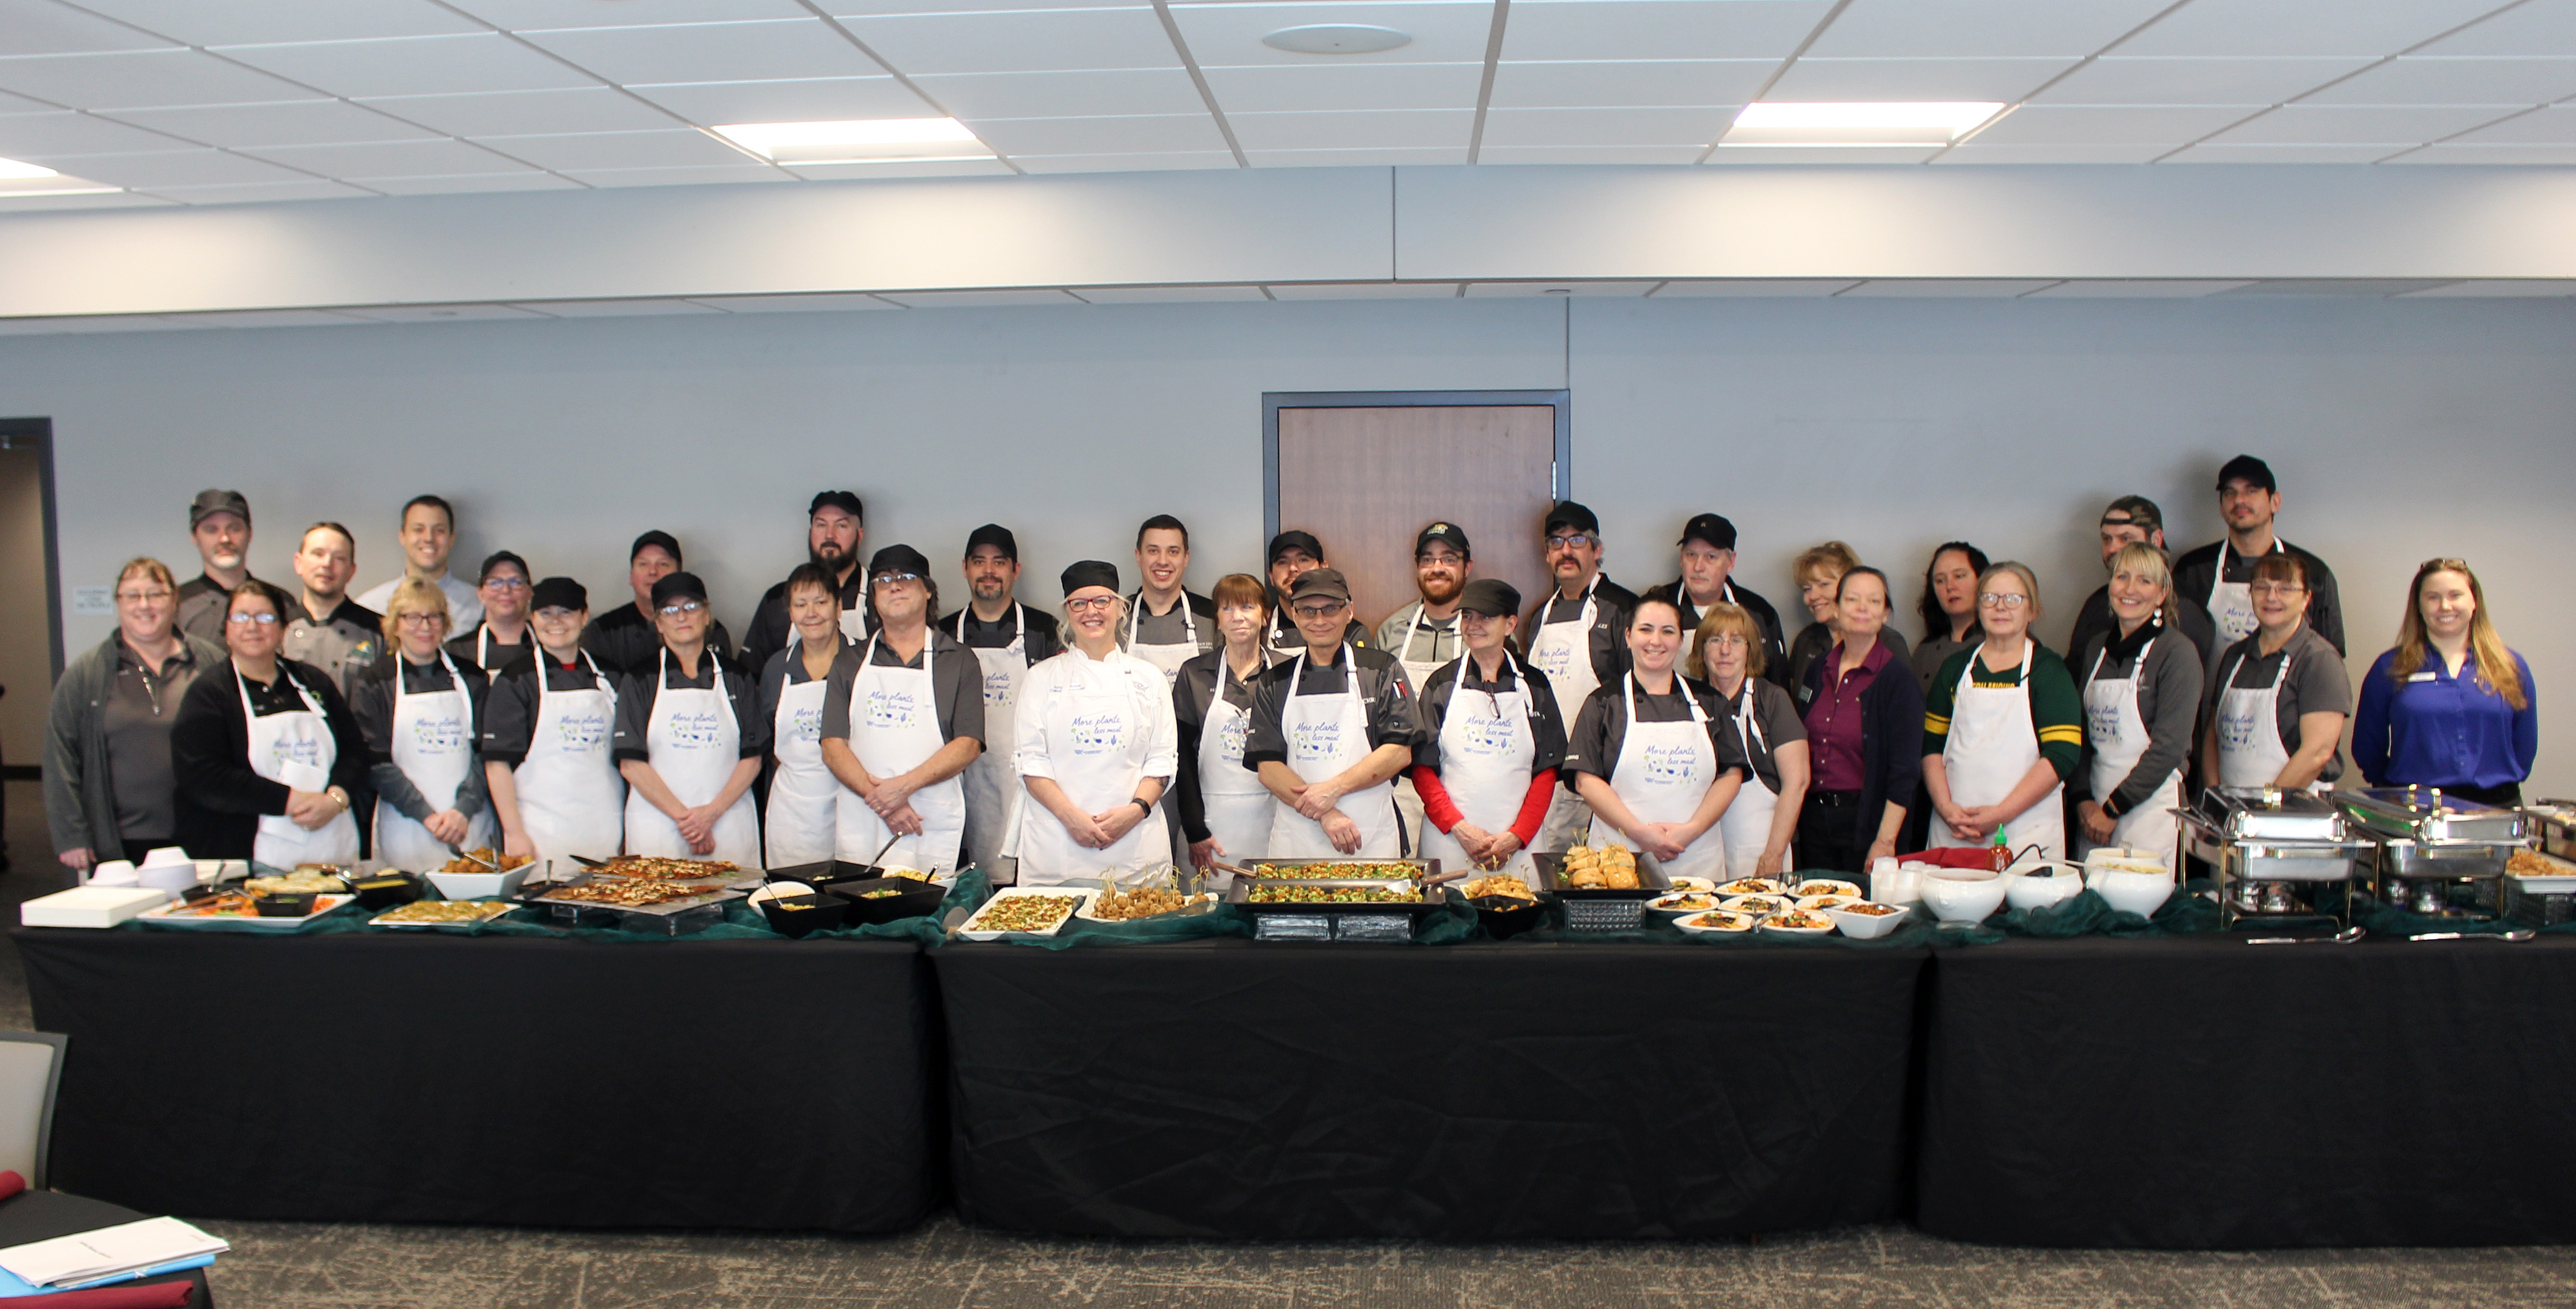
[
  {"x": 482, "y": 886},
  {"x": 1963, "y": 899},
  {"x": 2138, "y": 893},
  {"x": 1862, "y": 927},
  {"x": 2027, "y": 891}
]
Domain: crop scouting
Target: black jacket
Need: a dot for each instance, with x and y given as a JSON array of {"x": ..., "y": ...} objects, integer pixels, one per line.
[
  {"x": 1891, "y": 736},
  {"x": 220, "y": 798}
]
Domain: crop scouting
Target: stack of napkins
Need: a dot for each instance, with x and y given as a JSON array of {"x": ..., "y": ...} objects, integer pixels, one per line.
[
  {"x": 94, "y": 905},
  {"x": 110, "y": 1254}
]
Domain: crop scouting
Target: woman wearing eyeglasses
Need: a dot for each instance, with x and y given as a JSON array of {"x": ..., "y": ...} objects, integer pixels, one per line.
[
  {"x": 2277, "y": 706},
  {"x": 108, "y": 787},
  {"x": 1095, "y": 745},
  {"x": 267, "y": 759},
  {"x": 2450, "y": 706},
  {"x": 2002, "y": 728},
  {"x": 902, "y": 718},
  {"x": 689, "y": 739},
  {"x": 419, "y": 708}
]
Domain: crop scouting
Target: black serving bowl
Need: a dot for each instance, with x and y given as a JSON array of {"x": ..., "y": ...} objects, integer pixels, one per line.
[
  {"x": 1506, "y": 916},
  {"x": 283, "y": 904},
  {"x": 796, "y": 915},
  {"x": 826, "y": 875},
  {"x": 911, "y": 899},
  {"x": 385, "y": 890}
]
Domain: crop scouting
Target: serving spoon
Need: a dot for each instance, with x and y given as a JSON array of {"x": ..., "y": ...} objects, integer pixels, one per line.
[
  {"x": 2517, "y": 934},
  {"x": 2345, "y": 937}
]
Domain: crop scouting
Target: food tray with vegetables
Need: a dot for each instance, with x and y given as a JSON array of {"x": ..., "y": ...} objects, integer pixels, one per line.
[
  {"x": 627, "y": 895},
  {"x": 1026, "y": 911},
  {"x": 276, "y": 913},
  {"x": 441, "y": 915},
  {"x": 1258, "y": 896},
  {"x": 1343, "y": 870}
]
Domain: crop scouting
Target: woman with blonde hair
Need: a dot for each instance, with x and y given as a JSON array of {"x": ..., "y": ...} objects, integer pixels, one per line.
[
  {"x": 1819, "y": 570},
  {"x": 109, "y": 790},
  {"x": 2141, "y": 690},
  {"x": 420, "y": 709},
  {"x": 2002, "y": 728},
  {"x": 1726, "y": 653},
  {"x": 2450, "y": 706}
]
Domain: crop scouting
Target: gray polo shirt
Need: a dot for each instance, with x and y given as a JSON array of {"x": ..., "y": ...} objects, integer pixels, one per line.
[
  {"x": 2315, "y": 683},
  {"x": 1414, "y": 639},
  {"x": 141, "y": 705},
  {"x": 342, "y": 646}
]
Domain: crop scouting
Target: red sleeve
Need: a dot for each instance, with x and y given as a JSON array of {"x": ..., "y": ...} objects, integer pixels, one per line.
[
  {"x": 1437, "y": 808},
  {"x": 1534, "y": 806}
]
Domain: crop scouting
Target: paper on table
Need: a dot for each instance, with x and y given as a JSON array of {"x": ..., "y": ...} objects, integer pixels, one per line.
[{"x": 108, "y": 1251}]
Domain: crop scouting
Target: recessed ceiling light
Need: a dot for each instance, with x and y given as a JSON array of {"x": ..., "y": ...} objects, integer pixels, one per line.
[
  {"x": 1858, "y": 124},
  {"x": 858, "y": 141},
  {"x": 12, "y": 168},
  {"x": 1336, "y": 39}
]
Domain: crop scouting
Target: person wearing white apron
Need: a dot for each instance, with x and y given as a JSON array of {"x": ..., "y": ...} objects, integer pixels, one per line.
[
  {"x": 801, "y": 824},
  {"x": 1225, "y": 812},
  {"x": 2246, "y": 745},
  {"x": 1497, "y": 737},
  {"x": 1423, "y": 636},
  {"x": 500, "y": 645},
  {"x": 690, "y": 752},
  {"x": 1670, "y": 779},
  {"x": 2249, "y": 501},
  {"x": 1167, "y": 624},
  {"x": 1329, "y": 753},
  {"x": 228, "y": 801},
  {"x": 1759, "y": 824},
  {"x": 1992, "y": 769},
  {"x": 419, "y": 712},
  {"x": 547, "y": 734},
  {"x": 1095, "y": 748},
  {"x": 900, "y": 725},
  {"x": 1578, "y": 637},
  {"x": 1007, "y": 637},
  {"x": 2141, "y": 696}
]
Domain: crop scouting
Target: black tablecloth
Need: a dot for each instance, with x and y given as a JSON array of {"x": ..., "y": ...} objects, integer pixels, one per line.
[
  {"x": 2202, "y": 1093},
  {"x": 1240, "y": 1088},
  {"x": 440, "y": 1078},
  {"x": 44, "y": 1215}
]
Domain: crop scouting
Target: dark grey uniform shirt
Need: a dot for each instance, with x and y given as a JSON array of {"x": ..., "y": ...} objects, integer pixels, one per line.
[
  {"x": 1387, "y": 696},
  {"x": 2316, "y": 683},
  {"x": 141, "y": 705},
  {"x": 342, "y": 646},
  {"x": 956, "y": 682},
  {"x": 1601, "y": 729},
  {"x": 510, "y": 710},
  {"x": 635, "y": 704}
]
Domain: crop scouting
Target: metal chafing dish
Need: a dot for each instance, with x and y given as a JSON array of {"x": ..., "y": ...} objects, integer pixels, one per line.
[
  {"x": 2434, "y": 855},
  {"x": 2425, "y": 815},
  {"x": 1415, "y": 880},
  {"x": 2276, "y": 853}
]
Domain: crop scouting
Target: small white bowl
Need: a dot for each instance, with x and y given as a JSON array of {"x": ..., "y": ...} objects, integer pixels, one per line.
[
  {"x": 2138, "y": 893},
  {"x": 2027, "y": 891},
  {"x": 1863, "y": 927},
  {"x": 482, "y": 886},
  {"x": 1963, "y": 899}
]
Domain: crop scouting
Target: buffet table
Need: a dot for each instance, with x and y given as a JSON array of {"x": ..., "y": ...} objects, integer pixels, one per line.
[
  {"x": 2201, "y": 1093},
  {"x": 1471, "y": 1092},
  {"x": 433, "y": 1078}
]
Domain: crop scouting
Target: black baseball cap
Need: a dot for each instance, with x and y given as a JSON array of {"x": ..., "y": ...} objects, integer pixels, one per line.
[
  {"x": 1452, "y": 533},
  {"x": 898, "y": 559},
  {"x": 1089, "y": 572},
  {"x": 657, "y": 537},
  {"x": 2141, "y": 511},
  {"x": 845, "y": 501},
  {"x": 1569, "y": 514},
  {"x": 1491, "y": 596},
  {"x": 2253, "y": 471},
  {"x": 559, "y": 593},
  {"x": 498, "y": 558},
  {"x": 212, "y": 501},
  {"x": 1320, "y": 581},
  {"x": 1712, "y": 528},
  {"x": 995, "y": 535},
  {"x": 678, "y": 586},
  {"x": 1296, "y": 540}
]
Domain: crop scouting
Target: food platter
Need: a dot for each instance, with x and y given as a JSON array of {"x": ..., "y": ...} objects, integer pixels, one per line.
[
  {"x": 1342, "y": 870},
  {"x": 1026, "y": 911},
  {"x": 441, "y": 915},
  {"x": 654, "y": 897},
  {"x": 1717, "y": 922},
  {"x": 1555, "y": 879},
  {"x": 1685, "y": 902},
  {"x": 220, "y": 908},
  {"x": 1136, "y": 904}
]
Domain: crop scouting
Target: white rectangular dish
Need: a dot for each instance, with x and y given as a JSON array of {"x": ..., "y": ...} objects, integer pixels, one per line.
[
  {"x": 90, "y": 906},
  {"x": 2561, "y": 880},
  {"x": 969, "y": 931},
  {"x": 172, "y": 915}
]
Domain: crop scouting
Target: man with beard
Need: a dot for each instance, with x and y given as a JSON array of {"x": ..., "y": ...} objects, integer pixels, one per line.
[
  {"x": 1005, "y": 637},
  {"x": 219, "y": 521},
  {"x": 1424, "y": 635},
  {"x": 835, "y": 528},
  {"x": 1293, "y": 554},
  {"x": 1577, "y": 635}
]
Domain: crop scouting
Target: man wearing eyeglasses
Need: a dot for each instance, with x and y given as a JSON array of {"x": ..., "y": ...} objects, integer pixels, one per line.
[
  {"x": 325, "y": 628},
  {"x": 902, "y": 718},
  {"x": 835, "y": 528},
  {"x": 1576, "y": 637},
  {"x": 219, "y": 523},
  {"x": 501, "y": 644},
  {"x": 1330, "y": 730},
  {"x": 2219, "y": 576},
  {"x": 624, "y": 641},
  {"x": 427, "y": 535}
]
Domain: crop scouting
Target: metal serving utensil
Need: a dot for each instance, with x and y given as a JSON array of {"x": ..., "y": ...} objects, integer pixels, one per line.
[
  {"x": 2345, "y": 937},
  {"x": 2517, "y": 934}
]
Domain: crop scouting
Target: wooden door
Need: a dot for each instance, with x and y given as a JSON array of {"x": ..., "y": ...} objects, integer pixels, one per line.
[{"x": 1366, "y": 481}]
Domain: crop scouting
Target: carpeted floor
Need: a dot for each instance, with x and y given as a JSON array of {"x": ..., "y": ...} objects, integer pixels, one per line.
[{"x": 946, "y": 1265}]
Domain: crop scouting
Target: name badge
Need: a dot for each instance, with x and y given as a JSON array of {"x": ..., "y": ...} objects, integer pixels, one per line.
[{"x": 2427, "y": 675}]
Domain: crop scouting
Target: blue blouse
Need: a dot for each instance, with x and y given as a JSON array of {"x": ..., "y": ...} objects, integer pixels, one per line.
[{"x": 2438, "y": 730}]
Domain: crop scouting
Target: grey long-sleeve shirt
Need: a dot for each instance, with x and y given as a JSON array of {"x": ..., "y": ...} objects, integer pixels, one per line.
[{"x": 2168, "y": 672}]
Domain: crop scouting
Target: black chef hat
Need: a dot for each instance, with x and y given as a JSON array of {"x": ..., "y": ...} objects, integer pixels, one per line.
[
  {"x": 898, "y": 558},
  {"x": 1491, "y": 596},
  {"x": 845, "y": 501},
  {"x": 212, "y": 501},
  {"x": 670, "y": 545},
  {"x": 678, "y": 586},
  {"x": 1712, "y": 528},
  {"x": 2253, "y": 470},
  {"x": 1450, "y": 532},
  {"x": 996, "y": 536},
  {"x": 1320, "y": 581},
  {"x": 1089, "y": 572},
  {"x": 1569, "y": 514},
  {"x": 559, "y": 593}
]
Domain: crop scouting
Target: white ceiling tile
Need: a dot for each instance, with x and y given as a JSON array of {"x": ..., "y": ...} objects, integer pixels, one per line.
[
  {"x": 968, "y": 299},
  {"x": 1283, "y": 88},
  {"x": 2456, "y": 82},
  {"x": 1044, "y": 41},
  {"x": 143, "y": 79},
  {"x": 619, "y": 177},
  {"x": 1164, "y": 295},
  {"x": 516, "y": 113},
  {"x": 677, "y": 147},
  {"x": 2330, "y": 124},
  {"x": 1964, "y": 29},
  {"x": 711, "y": 52},
  {"x": 467, "y": 182},
  {"x": 533, "y": 15},
  {"x": 1802, "y": 287},
  {"x": 1945, "y": 288},
  {"x": 110, "y": 200},
  {"x": 2501, "y": 288},
  {"x": 25, "y": 136},
  {"x": 1564, "y": 127},
  {"x": 637, "y": 308},
  {"x": 436, "y": 313},
  {"x": 387, "y": 158},
  {"x": 1978, "y": 152},
  {"x": 985, "y": 167},
  {"x": 1398, "y": 157},
  {"x": 1099, "y": 136},
  {"x": 303, "y": 122},
  {"x": 1153, "y": 163},
  {"x": 799, "y": 100},
  {"x": 795, "y": 304},
  {"x": 2540, "y": 27},
  {"x": 1041, "y": 95},
  {"x": 1767, "y": 155},
  {"x": 1727, "y": 82},
  {"x": 2116, "y": 80},
  {"x": 1372, "y": 129},
  {"x": 269, "y": 318},
  {"x": 1366, "y": 291},
  {"x": 253, "y": 193},
  {"x": 2283, "y": 154},
  {"x": 2356, "y": 286},
  {"x": 42, "y": 27},
  {"x": 2555, "y": 125},
  {"x": 2006, "y": 80},
  {"x": 175, "y": 168},
  {"x": 1487, "y": 290},
  {"x": 2303, "y": 27},
  {"x": 416, "y": 65},
  {"x": 2169, "y": 125},
  {"x": 2523, "y": 154},
  {"x": 1589, "y": 154},
  {"x": 2135, "y": 289},
  {"x": 1228, "y": 35},
  {"x": 1657, "y": 29},
  {"x": 248, "y": 22}
]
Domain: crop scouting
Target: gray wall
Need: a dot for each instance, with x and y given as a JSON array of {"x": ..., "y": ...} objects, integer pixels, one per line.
[{"x": 2401, "y": 429}]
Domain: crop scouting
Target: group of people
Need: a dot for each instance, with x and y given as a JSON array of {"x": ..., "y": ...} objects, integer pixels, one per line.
[{"x": 1132, "y": 727}]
